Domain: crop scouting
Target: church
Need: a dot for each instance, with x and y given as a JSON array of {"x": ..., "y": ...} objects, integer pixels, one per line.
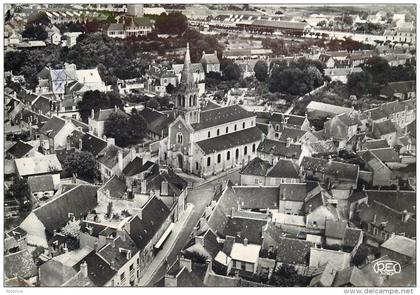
[{"x": 207, "y": 140}]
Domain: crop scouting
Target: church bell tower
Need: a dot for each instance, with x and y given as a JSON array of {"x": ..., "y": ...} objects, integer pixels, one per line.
[{"x": 187, "y": 93}]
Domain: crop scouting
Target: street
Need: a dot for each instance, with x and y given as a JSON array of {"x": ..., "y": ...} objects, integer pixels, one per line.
[{"x": 200, "y": 197}]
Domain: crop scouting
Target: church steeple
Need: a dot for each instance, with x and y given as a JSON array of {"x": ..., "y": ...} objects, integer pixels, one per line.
[{"x": 187, "y": 92}]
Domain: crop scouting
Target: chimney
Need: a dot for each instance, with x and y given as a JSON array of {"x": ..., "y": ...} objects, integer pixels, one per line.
[
  {"x": 374, "y": 218},
  {"x": 199, "y": 240},
  {"x": 120, "y": 160},
  {"x": 288, "y": 140},
  {"x": 245, "y": 242},
  {"x": 143, "y": 186},
  {"x": 84, "y": 269},
  {"x": 80, "y": 144},
  {"x": 185, "y": 262},
  {"x": 110, "y": 141},
  {"x": 209, "y": 264},
  {"x": 405, "y": 216},
  {"x": 115, "y": 108},
  {"x": 164, "y": 188},
  {"x": 92, "y": 113}
]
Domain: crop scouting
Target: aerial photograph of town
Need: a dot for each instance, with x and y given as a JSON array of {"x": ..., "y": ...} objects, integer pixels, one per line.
[{"x": 209, "y": 145}]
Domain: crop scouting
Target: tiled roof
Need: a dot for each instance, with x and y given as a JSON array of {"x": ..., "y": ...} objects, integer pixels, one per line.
[
  {"x": 256, "y": 197},
  {"x": 284, "y": 168},
  {"x": 109, "y": 158},
  {"x": 116, "y": 27},
  {"x": 19, "y": 264},
  {"x": 335, "y": 229},
  {"x": 397, "y": 200},
  {"x": 42, "y": 104},
  {"x": 383, "y": 128},
  {"x": 99, "y": 271},
  {"x": 41, "y": 183},
  {"x": 38, "y": 165},
  {"x": 280, "y": 24},
  {"x": 153, "y": 214},
  {"x": 289, "y": 119},
  {"x": 375, "y": 144},
  {"x": 242, "y": 228},
  {"x": 292, "y": 133},
  {"x": 279, "y": 148},
  {"x": 351, "y": 237},
  {"x": 292, "y": 251},
  {"x": 401, "y": 244},
  {"x": 323, "y": 147},
  {"x": 78, "y": 201},
  {"x": 113, "y": 255},
  {"x": 334, "y": 168},
  {"x": 230, "y": 140},
  {"x": 387, "y": 154},
  {"x": 293, "y": 191},
  {"x": 53, "y": 126},
  {"x": 20, "y": 149},
  {"x": 103, "y": 114},
  {"x": 256, "y": 167},
  {"x": 176, "y": 184},
  {"x": 221, "y": 116},
  {"x": 115, "y": 186},
  {"x": 93, "y": 144}
]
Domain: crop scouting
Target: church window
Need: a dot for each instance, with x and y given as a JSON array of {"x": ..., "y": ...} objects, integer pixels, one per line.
[
  {"x": 227, "y": 129},
  {"x": 277, "y": 127},
  {"x": 219, "y": 158},
  {"x": 179, "y": 138},
  {"x": 253, "y": 148},
  {"x": 235, "y": 127},
  {"x": 208, "y": 161},
  {"x": 208, "y": 134},
  {"x": 228, "y": 155},
  {"x": 245, "y": 150},
  {"x": 196, "y": 165},
  {"x": 237, "y": 154},
  {"x": 191, "y": 101},
  {"x": 243, "y": 125},
  {"x": 218, "y": 132}
]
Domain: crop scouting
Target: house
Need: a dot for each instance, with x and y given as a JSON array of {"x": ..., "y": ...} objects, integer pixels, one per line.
[
  {"x": 327, "y": 60},
  {"x": 185, "y": 273},
  {"x": 337, "y": 233},
  {"x": 385, "y": 130},
  {"x": 159, "y": 76},
  {"x": 93, "y": 144},
  {"x": 381, "y": 174},
  {"x": 69, "y": 39},
  {"x": 341, "y": 74},
  {"x": 261, "y": 172},
  {"x": 379, "y": 222},
  {"x": 20, "y": 265},
  {"x": 96, "y": 120},
  {"x": 157, "y": 122},
  {"x": 21, "y": 149},
  {"x": 245, "y": 257},
  {"x": 38, "y": 165},
  {"x": 42, "y": 221},
  {"x": 339, "y": 260},
  {"x": 291, "y": 198},
  {"x": 273, "y": 150},
  {"x": 324, "y": 276},
  {"x": 210, "y": 62},
  {"x": 54, "y": 133},
  {"x": 112, "y": 161},
  {"x": 399, "y": 248},
  {"x": 401, "y": 90},
  {"x": 330, "y": 172},
  {"x": 319, "y": 148},
  {"x": 205, "y": 244},
  {"x": 130, "y": 27},
  {"x": 324, "y": 110},
  {"x": 43, "y": 186}
]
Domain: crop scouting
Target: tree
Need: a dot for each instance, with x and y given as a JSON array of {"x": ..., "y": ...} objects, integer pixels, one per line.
[
  {"x": 359, "y": 83},
  {"x": 97, "y": 100},
  {"x": 378, "y": 68},
  {"x": 138, "y": 125},
  {"x": 286, "y": 276},
  {"x": 72, "y": 229},
  {"x": 20, "y": 189},
  {"x": 261, "y": 71},
  {"x": 172, "y": 23},
  {"x": 361, "y": 255},
  {"x": 232, "y": 72},
  {"x": 35, "y": 32},
  {"x": 153, "y": 104},
  {"x": 170, "y": 88},
  {"x": 118, "y": 126},
  {"x": 83, "y": 164}
]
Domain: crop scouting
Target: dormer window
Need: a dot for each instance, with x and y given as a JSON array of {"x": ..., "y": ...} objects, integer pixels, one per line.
[{"x": 179, "y": 138}]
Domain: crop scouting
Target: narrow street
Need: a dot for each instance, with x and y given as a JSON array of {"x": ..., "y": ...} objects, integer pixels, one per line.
[{"x": 200, "y": 197}]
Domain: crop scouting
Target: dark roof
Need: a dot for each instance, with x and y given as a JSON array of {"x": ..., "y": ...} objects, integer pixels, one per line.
[
  {"x": 290, "y": 120},
  {"x": 176, "y": 184},
  {"x": 115, "y": 186},
  {"x": 154, "y": 213},
  {"x": 157, "y": 122},
  {"x": 383, "y": 128},
  {"x": 210, "y": 243},
  {"x": 103, "y": 114},
  {"x": 230, "y": 140},
  {"x": 335, "y": 229},
  {"x": 109, "y": 158},
  {"x": 257, "y": 197},
  {"x": 77, "y": 123},
  {"x": 219, "y": 217},
  {"x": 333, "y": 168},
  {"x": 19, "y": 264},
  {"x": 79, "y": 200},
  {"x": 53, "y": 126},
  {"x": 389, "y": 219},
  {"x": 291, "y": 133},
  {"x": 397, "y": 200},
  {"x": 136, "y": 166},
  {"x": 279, "y": 148},
  {"x": 20, "y": 149},
  {"x": 351, "y": 237},
  {"x": 375, "y": 144},
  {"x": 293, "y": 191},
  {"x": 96, "y": 228},
  {"x": 256, "y": 167},
  {"x": 40, "y": 183},
  {"x": 290, "y": 251},
  {"x": 221, "y": 116},
  {"x": 99, "y": 271},
  {"x": 387, "y": 154},
  {"x": 113, "y": 255},
  {"x": 280, "y": 24},
  {"x": 242, "y": 228},
  {"x": 26, "y": 97},
  {"x": 93, "y": 144},
  {"x": 400, "y": 87},
  {"x": 31, "y": 117},
  {"x": 42, "y": 104},
  {"x": 263, "y": 127},
  {"x": 284, "y": 168}
]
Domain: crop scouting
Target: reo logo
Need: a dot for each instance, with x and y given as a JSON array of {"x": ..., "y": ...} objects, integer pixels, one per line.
[{"x": 387, "y": 267}]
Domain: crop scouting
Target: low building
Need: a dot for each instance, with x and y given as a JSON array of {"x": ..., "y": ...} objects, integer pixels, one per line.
[
  {"x": 130, "y": 27},
  {"x": 43, "y": 186}
]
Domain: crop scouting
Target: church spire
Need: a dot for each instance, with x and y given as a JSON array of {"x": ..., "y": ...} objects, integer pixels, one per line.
[{"x": 187, "y": 76}]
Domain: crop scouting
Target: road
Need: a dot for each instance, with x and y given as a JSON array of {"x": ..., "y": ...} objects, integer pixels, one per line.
[{"x": 200, "y": 197}]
